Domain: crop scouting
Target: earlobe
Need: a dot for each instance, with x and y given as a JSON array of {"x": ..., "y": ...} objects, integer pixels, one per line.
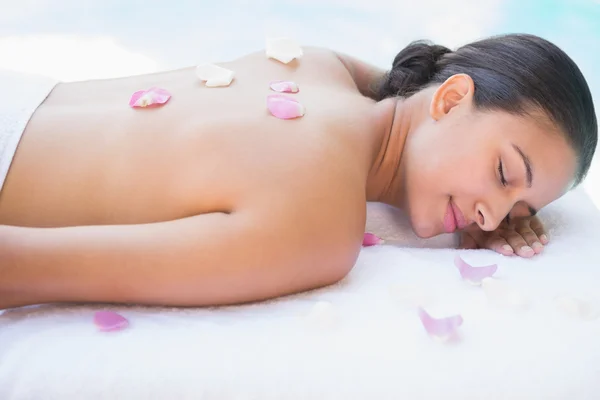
[{"x": 456, "y": 91}]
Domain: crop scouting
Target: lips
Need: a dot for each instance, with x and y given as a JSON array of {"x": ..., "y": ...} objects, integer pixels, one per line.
[
  {"x": 454, "y": 218},
  {"x": 459, "y": 218}
]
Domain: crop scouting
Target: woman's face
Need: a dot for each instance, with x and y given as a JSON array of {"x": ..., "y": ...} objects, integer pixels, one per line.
[{"x": 463, "y": 166}]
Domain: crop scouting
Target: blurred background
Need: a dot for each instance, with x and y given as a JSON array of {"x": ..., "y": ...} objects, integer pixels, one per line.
[{"x": 86, "y": 39}]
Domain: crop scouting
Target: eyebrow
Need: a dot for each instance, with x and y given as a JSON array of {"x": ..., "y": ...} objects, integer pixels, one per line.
[{"x": 527, "y": 163}]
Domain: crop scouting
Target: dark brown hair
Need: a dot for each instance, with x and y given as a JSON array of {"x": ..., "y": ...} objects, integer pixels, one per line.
[{"x": 514, "y": 73}]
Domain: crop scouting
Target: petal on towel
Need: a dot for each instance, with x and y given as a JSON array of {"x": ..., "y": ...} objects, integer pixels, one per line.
[
  {"x": 214, "y": 76},
  {"x": 440, "y": 328},
  {"x": 576, "y": 307},
  {"x": 502, "y": 294},
  {"x": 370, "y": 239},
  {"x": 284, "y": 107},
  {"x": 474, "y": 275},
  {"x": 284, "y": 87},
  {"x": 150, "y": 97},
  {"x": 108, "y": 321},
  {"x": 283, "y": 49}
]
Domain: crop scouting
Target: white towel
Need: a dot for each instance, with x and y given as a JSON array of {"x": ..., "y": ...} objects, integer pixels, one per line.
[
  {"x": 354, "y": 340},
  {"x": 20, "y": 95}
]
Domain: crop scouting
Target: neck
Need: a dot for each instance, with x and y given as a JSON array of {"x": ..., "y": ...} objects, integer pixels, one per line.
[{"x": 396, "y": 120}]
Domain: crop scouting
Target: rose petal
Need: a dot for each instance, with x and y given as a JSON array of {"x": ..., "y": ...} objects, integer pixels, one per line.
[
  {"x": 440, "y": 328},
  {"x": 502, "y": 294},
  {"x": 152, "y": 96},
  {"x": 283, "y": 49},
  {"x": 221, "y": 81},
  {"x": 108, "y": 321},
  {"x": 284, "y": 107},
  {"x": 576, "y": 307},
  {"x": 370, "y": 239},
  {"x": 474, "y": 275},
  {"x": 284, "y": 87},
  {"x": 214, "y": 75}
]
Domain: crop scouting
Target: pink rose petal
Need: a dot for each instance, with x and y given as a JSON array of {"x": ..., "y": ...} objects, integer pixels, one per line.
[
  {"x": 442, "y": 328},
  {"x": 284, "y": 87},
  {"x": 370, "y": 239},
  {"x": 108, "y": 321},
  {"x": 152, "y": 96},
  {"x": 284, "y": 107},
  {"x": 474, "y": 275}
]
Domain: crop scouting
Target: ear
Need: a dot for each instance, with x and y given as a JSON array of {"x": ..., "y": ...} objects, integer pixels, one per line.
[{"x": 455, "y": 91}]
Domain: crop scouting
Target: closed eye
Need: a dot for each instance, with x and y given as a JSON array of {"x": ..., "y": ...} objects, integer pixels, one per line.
[
  {"x": 504, "y": 183},
  {"x": 501, "y": 172}
]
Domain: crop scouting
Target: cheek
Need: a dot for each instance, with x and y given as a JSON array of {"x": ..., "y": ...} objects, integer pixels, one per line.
[
  {"x": 440, "y": 164},
  {"x": 476, "y": 173},
  {"x": 452, "y": 171},
  {"x": 441, "y": 152}
]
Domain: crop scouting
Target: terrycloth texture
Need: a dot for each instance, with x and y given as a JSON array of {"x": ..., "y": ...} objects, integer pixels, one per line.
[
  {"x": 361, "y": 343},
  {"x": 21, "y": 96}
]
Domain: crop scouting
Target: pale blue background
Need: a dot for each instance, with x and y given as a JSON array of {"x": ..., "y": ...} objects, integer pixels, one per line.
[{"x": 79, "y": 39}]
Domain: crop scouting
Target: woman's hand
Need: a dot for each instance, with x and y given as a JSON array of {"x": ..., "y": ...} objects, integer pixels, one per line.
[{"x": 523, "y": 236}]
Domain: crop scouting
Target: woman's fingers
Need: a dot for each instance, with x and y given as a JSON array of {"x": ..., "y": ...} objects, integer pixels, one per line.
[
  {"x": 518, "y": 243},
  {"x": 492, "y": 241},
  {"x": 536, "y": 226},
  {"x": 475, "y": 238},
  {"x": 499, "y": 244},
  {"x": 526, "y": 231},
  {"x": 524, "y": 237},
  {"x": 532, "y": 239}
]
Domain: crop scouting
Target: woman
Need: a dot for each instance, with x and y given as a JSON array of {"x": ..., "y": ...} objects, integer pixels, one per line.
[{"x": 211, "y": 200}]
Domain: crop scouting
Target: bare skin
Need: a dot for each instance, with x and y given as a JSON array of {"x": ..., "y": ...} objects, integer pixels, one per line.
[
  {"x": 232, "y": 196},
  {"x": 85, "y": 159},
  {"x": 211, "y": 200}
]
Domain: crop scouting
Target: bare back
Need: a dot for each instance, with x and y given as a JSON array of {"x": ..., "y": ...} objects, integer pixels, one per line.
[{"x": 86, "y": 158}]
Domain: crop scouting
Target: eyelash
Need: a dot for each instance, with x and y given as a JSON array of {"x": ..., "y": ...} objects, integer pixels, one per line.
[
  {"x": 501, "y": 171},
  {"x": 504, "y": 183}
]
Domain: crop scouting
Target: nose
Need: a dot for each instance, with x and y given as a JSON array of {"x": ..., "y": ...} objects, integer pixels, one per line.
[{"x": 489, "y": 218}]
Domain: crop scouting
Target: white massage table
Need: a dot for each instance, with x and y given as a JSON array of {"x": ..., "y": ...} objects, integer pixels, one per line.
[{"x": 359, "y": 339}]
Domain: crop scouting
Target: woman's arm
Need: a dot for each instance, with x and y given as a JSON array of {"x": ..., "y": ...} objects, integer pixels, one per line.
[
  {"x": 202, "y": 260},
  {"x": 366, "y": 76}
]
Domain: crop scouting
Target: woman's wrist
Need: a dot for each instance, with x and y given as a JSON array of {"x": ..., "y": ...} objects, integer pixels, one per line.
[
  {"x": 11, "y": 289},
  {"x": 5, "y": 266}
]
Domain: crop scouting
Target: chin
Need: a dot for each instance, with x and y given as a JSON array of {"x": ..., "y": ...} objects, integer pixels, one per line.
[{"x": 423, "y": 231}]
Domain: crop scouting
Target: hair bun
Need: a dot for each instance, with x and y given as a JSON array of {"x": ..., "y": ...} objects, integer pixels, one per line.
[{"x": 413, "y": 68}]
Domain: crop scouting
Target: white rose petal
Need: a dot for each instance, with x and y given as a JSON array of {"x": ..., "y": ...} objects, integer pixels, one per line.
[
  {"x": 214, "y": 75},
  {"x": 283, "y": 49}
]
